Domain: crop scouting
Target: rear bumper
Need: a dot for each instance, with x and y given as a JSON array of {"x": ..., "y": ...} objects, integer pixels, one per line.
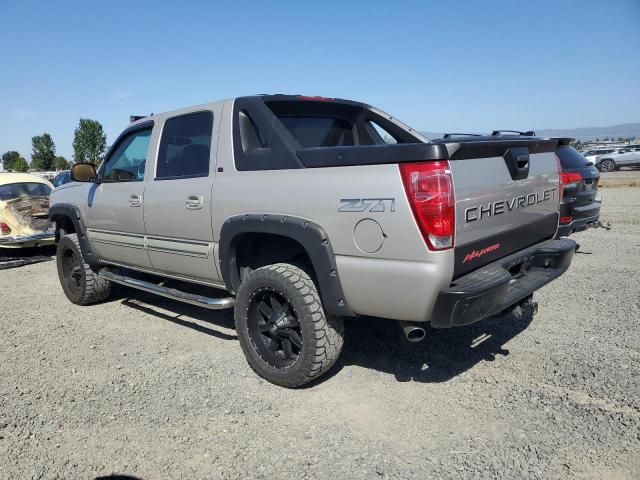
[
  {"x": 46, "y": 238},
  {"x": 583, "y": 217},
  {"x": 501, "y": 284},
  {"x": 577, "y": 225}
]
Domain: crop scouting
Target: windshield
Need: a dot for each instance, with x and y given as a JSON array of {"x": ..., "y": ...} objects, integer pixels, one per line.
[{"x": 17, "y": 190}]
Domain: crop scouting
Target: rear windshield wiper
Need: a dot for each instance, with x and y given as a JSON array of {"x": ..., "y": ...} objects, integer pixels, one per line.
[
  {"x": 450, "y": 135},
  {"x": 528, "y": 133}
]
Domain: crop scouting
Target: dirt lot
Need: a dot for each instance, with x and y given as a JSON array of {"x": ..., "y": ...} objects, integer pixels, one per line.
[
  {"x": 153, "y": 389},
  {"x": 628, "y": 177}
]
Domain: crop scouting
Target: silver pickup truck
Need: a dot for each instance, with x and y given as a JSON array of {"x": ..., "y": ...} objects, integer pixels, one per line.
[{"x": 296, "y": 212}]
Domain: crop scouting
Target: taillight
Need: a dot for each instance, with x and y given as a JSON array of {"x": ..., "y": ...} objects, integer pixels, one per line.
[
  {"x": 570, "y": 179},
  {"x": 564, "y": 220},
  {"x": 4, "y": 229},
  {"x": 429, "y": 189}
]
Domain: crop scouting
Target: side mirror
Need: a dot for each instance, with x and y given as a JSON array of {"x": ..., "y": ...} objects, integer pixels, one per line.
[{"x": 83, "y": 172}]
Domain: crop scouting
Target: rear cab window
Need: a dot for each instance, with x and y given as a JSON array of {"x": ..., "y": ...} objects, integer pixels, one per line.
[
  {"x": 319, "y": 131},
  {"x": 185, "y": 146}
]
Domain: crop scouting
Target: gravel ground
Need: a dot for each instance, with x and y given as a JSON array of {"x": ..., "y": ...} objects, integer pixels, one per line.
[
  {"x": 628, "y": 177},
  {"x": 153, "y": 389}
]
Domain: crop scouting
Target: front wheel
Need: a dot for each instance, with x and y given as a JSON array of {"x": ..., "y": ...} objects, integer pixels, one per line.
[
  {"x": 80, "y": 283},
  {"x": 283, "y": 330},
  {"x": 607, "y": 165}
]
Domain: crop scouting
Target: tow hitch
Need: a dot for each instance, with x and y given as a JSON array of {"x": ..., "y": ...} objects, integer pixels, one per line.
[{"x": 528, "y": 306}]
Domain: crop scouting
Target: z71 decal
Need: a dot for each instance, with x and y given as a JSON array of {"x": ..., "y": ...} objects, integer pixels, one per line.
[{"x": 367, "y": 205}]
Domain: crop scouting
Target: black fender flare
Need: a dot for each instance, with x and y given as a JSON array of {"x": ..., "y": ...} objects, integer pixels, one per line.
[
  {"x": 72, "y": 212},
  {"x": 310, "y": 235}
]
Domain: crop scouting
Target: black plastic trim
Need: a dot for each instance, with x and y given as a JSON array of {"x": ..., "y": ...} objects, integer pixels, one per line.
[
  {"x": 311, "y": 236},
  {"x": 501, "y": 284},
  {"x": 517, "y": 160},
  {"x": 509, "y": 241},
  {"x": 486, "y": 147},
  {"x": 278, "y": 152},
  {"x": 67, "y": 210},
  {"x": 371, "y": 154}
]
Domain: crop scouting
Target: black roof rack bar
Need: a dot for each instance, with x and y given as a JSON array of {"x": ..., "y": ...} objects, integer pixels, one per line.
[
  {"x": 449, "y": 135},
  {"x": 135, "y": 118},
  {"x": 528, "y": 133}
]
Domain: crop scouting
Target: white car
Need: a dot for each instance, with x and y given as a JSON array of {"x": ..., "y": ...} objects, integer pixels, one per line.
[
  {"x": 628, "y": 156},
  {"x": 591, "y": 155}
]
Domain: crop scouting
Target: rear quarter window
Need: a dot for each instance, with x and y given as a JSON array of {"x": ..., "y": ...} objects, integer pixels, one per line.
[
  {"x": 17, "y": 190},
  {"x": 570, "y": 158}
]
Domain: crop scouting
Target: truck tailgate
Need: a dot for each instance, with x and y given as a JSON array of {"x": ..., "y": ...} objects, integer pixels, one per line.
[{"x": 506, "y": 198}]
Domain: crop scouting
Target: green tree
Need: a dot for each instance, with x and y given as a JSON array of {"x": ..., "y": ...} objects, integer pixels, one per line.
[
  {"x": 44, "y": 153},
  {"x": 61, "y": 163},
  {"x": 21, "y": 165},
  {"x": 89, "y": 142},
  {"x": 9, "y": 159}
]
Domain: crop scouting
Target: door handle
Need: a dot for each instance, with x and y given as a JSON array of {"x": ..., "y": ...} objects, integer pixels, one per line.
[
  {"x": 135, "y": 200},
  {"x": 194, "y": 202}
]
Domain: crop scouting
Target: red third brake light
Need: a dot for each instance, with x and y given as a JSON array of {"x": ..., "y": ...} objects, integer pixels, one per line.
[{"x": 429, "y": 189}]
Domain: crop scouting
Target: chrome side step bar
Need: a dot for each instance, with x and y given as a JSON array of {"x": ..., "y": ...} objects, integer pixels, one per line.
[{"x": 172, "y": 293}]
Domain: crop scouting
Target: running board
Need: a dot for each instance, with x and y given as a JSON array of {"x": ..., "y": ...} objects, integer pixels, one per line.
[{"x": 172, "y": 293}]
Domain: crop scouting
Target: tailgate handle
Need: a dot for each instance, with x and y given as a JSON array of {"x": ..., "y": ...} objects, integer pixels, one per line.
[
  {"x": 517, "y": 160},
  {"x": 522, "y": 160}
]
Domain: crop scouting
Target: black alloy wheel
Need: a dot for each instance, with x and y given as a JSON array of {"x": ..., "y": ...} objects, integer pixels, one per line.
[
  {"x": 79, "y": 282},
  {"x": 283, "y": 330},
  {"x": 71, "y": 270},
  {"x": 274, "y": 328}
]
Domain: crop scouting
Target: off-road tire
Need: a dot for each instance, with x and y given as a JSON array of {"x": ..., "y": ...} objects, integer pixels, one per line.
[
  {"x": 322, "y": 335},
  {"x": 89, "y": 287}
]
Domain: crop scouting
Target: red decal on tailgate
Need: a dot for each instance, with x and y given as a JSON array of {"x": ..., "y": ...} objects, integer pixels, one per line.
[{"x": 474, "y": 254}]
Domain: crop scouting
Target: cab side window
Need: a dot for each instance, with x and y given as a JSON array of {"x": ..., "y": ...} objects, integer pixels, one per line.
[
  {"x": 185, "y": 147},
  {"x": 128, "y": 161}
]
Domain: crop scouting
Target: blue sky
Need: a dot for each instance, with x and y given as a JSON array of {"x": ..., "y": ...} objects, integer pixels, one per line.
[{"x": 439, "y": 66}]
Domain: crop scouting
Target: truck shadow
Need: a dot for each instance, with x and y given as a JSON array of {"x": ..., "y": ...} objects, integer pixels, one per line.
[
  {"x": 190, "y": 316},
  {"x": 369, "y": 342},
  {"x": 442, "y": 355}
]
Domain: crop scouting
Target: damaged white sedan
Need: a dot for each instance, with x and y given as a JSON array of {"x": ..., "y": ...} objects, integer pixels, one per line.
[{"x": 24, "y": 208}]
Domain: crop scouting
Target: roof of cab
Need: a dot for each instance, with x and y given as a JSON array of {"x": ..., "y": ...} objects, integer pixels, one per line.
[
  {"x": 16, "y": 177},
  {"x": 138, "y": 119}
]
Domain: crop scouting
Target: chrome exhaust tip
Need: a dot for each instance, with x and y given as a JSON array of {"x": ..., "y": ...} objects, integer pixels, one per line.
[{"x": 413, "y": 332}]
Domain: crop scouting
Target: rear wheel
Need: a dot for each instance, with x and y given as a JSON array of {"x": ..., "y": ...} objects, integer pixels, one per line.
[
  {"x": 607, "y": 165},
  {"x": 80, "y": 283},
  {"x": 283, "y": 330}
]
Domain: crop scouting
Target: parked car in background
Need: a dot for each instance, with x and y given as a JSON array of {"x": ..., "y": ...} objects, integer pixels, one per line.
[
  {"x": 580, "y": 201},
  {"x": 622, "y": 157},
  {"x": 591, "y": 155},
  {"x": 62, "y": 178},
  {"x": 24, "y": 210}
]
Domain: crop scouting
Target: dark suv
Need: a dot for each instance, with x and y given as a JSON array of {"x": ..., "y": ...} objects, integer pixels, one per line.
[{"x": 580, "y": 201}]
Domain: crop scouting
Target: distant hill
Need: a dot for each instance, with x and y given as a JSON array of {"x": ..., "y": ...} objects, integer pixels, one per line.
[{"x": 584, "y": 133}]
